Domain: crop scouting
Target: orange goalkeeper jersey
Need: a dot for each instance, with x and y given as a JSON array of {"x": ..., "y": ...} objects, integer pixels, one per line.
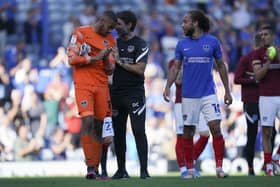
[{"x": 93, "y": 73}]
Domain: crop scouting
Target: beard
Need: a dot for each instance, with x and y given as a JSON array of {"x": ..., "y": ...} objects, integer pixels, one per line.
[
  {"x": 189, "y": 32},
  {"x": 123, "y": 32}
]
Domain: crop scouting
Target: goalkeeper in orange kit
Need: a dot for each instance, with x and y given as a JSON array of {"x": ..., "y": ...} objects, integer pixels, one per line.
[{"x": 88, "y": 54}]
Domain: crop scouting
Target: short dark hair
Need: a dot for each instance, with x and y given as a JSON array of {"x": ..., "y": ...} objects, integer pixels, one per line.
[
  {"x": 267, "y": 27},
  {"x": 201, "y": 18},
  {"x": 111, "y": 15},
  {"x": 128, "y": 17}
]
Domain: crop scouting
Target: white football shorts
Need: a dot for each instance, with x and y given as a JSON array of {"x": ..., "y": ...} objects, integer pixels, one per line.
[
  {"x": 269, "y": 107},
  {"x": 201, "y": 127},
  {"x": 208, "y": 106}
]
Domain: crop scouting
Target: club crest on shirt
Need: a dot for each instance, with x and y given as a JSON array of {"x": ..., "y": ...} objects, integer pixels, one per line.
[
  {"x": 106, "y": 42},
  {"x": 265, "y": 118},
  {"x": 84, "y": 103},
  {"x": 130, "y": 48},
  {"x": 206, "y": 48}
]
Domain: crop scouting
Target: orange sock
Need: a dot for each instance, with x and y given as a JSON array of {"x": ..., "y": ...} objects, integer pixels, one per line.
[
  {"x": 87, "y": 144},
  {"x": 97, "y": 153}
]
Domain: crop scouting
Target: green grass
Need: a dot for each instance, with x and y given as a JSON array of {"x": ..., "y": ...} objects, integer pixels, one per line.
[{"x": 163, "y": 181}]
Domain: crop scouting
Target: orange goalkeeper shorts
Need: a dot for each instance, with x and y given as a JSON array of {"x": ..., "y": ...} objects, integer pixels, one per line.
[{"x": 94, "y": 101}]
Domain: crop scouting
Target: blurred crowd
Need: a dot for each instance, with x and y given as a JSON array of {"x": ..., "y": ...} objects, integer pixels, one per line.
[{"x": 38, "y": 115}]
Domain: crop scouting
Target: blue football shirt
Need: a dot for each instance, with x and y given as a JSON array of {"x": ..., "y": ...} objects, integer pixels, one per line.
[{"x": 197, "y": 56}]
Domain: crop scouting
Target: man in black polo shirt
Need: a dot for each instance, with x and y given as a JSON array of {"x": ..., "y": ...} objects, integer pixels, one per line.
[{"x": 128, "y": 94}]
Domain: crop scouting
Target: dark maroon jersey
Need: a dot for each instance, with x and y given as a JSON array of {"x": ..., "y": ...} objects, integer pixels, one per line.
[
  {"x": 244, "y": 75},
  {"x": 270, "y": 84},
  {"x": 178, "y": 98}
]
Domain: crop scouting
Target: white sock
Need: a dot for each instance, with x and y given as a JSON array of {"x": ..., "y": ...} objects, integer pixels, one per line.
[
  {"x": 219, "y": 169},
  {"x": 269, "y": 167},
  {"x": 183, "y": 169},
  {"x": 191, "y": 170}
]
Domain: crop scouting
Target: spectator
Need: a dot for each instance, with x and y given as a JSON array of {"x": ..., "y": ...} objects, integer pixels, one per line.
[
  {"x": 51, "y": 104},
  {"x": 20, "y": 74},
  {"x": 36, "y": 116},
  {"x": 15, "y": 113},
  {"x": 68, "y": 28},
  {"x": 33, "y": 30},
  {"x": 7, "y": 139},
  {"x": 88, "y": 16},
  {"x": 240, "y": 16},
  {"x": 7, "y": 21},
  {"x": 4, "y": 86},
  {"x": 25, "y": 149},
  {"x": 55, "y": 95},
  {"x": 9, "y": 9},
  {"x": 73, "y": 122},
  {"x": 59, "y": 144},
  {"x": 14, "y": 54},
  {"x": 59, "y": 65}
]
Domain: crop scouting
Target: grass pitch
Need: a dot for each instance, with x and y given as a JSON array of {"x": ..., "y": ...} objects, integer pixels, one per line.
[{"x": 162, "y": 181}]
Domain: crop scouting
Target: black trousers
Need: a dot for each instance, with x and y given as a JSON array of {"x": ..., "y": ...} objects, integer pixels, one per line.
[
  {"x": 252, "y": 113},
  {"x": 252, "y": 118},
  {"x": 135, "y": 107}
]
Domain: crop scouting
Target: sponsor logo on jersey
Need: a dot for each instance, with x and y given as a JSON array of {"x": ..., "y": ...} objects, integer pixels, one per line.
[
  {"x": 130, "y": 48},
  {"x": 185, "y": 116},
  {"x": 199, "y": 60}
]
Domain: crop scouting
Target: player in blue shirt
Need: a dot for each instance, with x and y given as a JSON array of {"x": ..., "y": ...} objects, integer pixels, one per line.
[{"x": 196, "y": 53}]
